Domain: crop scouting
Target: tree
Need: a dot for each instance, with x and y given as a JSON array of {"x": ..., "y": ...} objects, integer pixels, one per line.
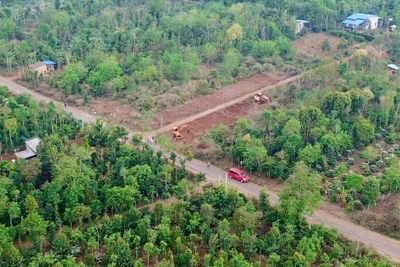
[
  {"x": 209, "y": 52},
  {"x": 244, "y": 219},
  {"x": 262, "y": 49},
  {"x": 301, "y": 194},
  {"x": 370, "y": 191},
  {"x": 364, "y": 131},
  {"x": 149, "y": 248},
  {"x": 71, "y": 77},
  {"x": 14, "y": 212},
  {"x": 231, "y": 63},
  {"x": 11, "y": 125},
  {"x": 105, "y": 71},
  {"x": 35, "y": 227},
  {"x": 309, "y": 118},
  {"x": 235, "y": 32},
  {"x": 311, "y": 155},
  {"x": 254, "y": 158}
]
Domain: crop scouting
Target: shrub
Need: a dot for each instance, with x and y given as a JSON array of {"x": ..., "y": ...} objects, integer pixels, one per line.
[
  {"x": 350, "y": 161},
  {"x": 326, "y": 46},
  {"x": 329, "y": 173},
  {"x": 373, "y": 168},
  {"x": 380, "y": 164}
]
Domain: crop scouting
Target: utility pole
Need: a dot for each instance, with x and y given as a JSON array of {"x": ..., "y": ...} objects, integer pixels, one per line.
[{"x": 226, "y": 182}]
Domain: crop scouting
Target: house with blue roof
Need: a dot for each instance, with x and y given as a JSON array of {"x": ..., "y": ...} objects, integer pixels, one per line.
[
  {"x": 43, "y": 67},
  {"x": 362, "y": 21}
]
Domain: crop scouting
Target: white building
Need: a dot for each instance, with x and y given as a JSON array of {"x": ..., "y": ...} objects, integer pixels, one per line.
[
  {"x": 302, "y": 24},
  {"x": 362, "y": 21}
]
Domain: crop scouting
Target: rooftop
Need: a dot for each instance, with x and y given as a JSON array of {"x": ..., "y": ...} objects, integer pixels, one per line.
[
  {"x": 31, "y": 148},
  {"x": 49, "y": 62},
  {"x": 393, "y": 66},
  {"x": 303, "y": 21},
  {"x": 33, "y": 143},
  {"x": 357, "y": 18}
]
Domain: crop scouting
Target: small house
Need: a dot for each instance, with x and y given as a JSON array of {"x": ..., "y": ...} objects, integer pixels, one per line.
[
  {"x": 31, "y": 148},
  {"x": 301, "y": 25},
  {"x": 393, "y": 68},
  {"x": 43, "y": 67},
  {"x": 393, "y": 28},
  {"x": 362, "y": 21}
]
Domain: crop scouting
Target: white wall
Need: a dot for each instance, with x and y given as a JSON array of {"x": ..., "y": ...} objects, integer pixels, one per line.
[{"x": 373, "y": 23}]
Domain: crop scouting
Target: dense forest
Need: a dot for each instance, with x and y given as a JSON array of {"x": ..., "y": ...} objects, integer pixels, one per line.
[
  {"x": 156, "y": 54},
  {"x": 84, "y": 202}
]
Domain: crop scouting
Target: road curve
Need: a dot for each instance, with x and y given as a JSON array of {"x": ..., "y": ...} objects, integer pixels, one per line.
[{"x": 384, "y": 245}]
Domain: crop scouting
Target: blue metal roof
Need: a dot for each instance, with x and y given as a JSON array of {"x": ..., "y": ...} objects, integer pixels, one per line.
[
  {"x": 357, "y": 19},
  {"x": 354, "y": 22},
  {"x": 362, "y": 16},
  {"x": 48, "y": 62}
]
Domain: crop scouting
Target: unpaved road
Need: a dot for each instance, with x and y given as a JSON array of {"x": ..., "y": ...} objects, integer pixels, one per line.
[
  {"x": 383, "y": 244},
  {"x": 18, "y": 89},
  {"x": 168, "y": 127}
]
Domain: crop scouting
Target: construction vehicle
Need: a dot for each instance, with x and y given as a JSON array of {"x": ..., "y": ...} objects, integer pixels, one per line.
[
  {"x": 259, "y": 98},
  {"x": 177, "y": 131}
]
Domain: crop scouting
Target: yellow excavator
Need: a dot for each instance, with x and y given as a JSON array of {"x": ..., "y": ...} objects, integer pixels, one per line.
[{"x": 177, "y": 131}]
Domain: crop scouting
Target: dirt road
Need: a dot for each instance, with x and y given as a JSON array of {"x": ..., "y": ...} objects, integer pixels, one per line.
[
  {"x": 18, "y": 89},
  {"x": 168, "y": 127},
  {"x": 386, "y": 246},
  {"x": 383, "y": 244}
]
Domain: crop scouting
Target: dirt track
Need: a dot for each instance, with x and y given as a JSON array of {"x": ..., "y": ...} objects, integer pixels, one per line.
[
  {"x": 383, "y": 244},
  {"x": 225, "y": 105}
]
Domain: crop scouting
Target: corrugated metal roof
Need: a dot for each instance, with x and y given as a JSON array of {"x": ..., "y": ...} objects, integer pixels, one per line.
[
  {"x": 357, "y": 16},
  {"x": 31, "y": 149},
  {"x": 393, "y": 66},
  {"x": 33, "y": 143},
  {"x": 303, "y": 21},
  {"x": 49, "y": 62},
  {"x": 357, "y": 19},
  {"x": 25, "y": 154}
]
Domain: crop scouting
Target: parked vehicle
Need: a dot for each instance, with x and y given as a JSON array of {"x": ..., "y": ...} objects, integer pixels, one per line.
[{"x": 241, "y": 176}]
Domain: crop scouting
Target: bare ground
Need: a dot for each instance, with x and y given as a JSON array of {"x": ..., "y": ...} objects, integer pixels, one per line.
[
  {"x": 311, "y": 45},
  {"x": 383, "y": 217}
]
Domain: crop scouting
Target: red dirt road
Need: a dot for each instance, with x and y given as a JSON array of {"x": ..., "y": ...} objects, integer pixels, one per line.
[
  {"x": 222, "y": 106},
  {"x": 226, "y": 94}
]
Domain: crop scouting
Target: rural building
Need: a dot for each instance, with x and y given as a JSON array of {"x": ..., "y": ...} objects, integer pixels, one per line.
[
  {"x": 393, "y": 28},
  {"x": 31, "y": 148},
  {"x": 362, "y": 21},
  {"x": 43, "y": 67},
  {"x": 393, "y": 68},
  {"x": 302, "y": 24}
]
